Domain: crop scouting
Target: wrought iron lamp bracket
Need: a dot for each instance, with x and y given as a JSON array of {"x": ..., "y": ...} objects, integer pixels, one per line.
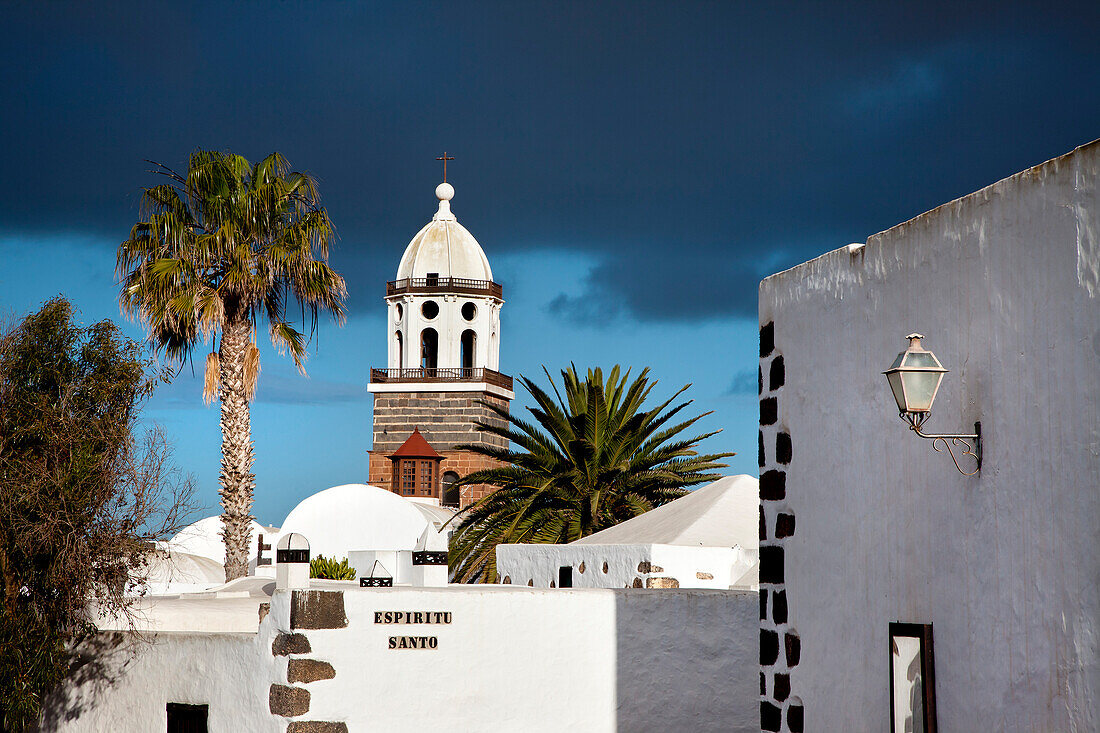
[{"x": 970, "y": 442}]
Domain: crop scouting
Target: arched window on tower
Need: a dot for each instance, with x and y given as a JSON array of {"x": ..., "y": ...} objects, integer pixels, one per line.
[
  {"x": 400, "y": 350},
  {"x": 450, "y": 491},
  {"x": 469, "y": 341},
  {"x": 429, "y": 349}
]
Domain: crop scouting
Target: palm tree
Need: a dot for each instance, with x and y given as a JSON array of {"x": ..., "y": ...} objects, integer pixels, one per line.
[
  {"x": 589, "y": 461},
  {"x": 220, "y": 249}
]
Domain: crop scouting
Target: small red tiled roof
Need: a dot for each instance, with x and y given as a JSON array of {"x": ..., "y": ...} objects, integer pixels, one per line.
[{"x": 415, "y": 447}]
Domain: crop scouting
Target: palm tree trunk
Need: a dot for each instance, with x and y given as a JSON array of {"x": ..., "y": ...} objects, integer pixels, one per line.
[{"x": 237, "y": 479}]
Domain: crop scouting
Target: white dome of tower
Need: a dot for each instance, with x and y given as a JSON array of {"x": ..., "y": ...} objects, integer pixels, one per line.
[{"x": 444, "y": 248}]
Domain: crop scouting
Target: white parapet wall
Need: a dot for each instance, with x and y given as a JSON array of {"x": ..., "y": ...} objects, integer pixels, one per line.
[
  {"x": 508, "y": 659},
  {"x": 627, "y": 566},
  {"x": 461, "y": 658},
  {"x": 866, "y": 524}
]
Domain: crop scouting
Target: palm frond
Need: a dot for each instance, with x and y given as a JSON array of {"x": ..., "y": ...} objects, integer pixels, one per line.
[{"x": 590, "y": 456}]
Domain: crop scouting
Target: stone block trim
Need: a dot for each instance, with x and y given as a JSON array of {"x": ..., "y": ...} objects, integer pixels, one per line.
[
  {"x": 285, "y": 644},
  {"x": 288, "y": 701},
  {"x": 317, "y": 609},
  {"x": 780, "y": 646},
  {"x": 784, "y": 526},
  {"x": 777, "y": 373},
  {"x": 308, "y": 670},
  {"x": 316, "y": 726},
  {"x": 784, "y": 450},
  {"x": 794, "y": 716},
  {"x": 773, "y": 486},
  {"x": 771, "y": 717}
]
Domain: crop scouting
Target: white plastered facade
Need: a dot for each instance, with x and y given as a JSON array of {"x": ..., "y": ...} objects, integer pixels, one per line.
[
  {"x": 1004, "y": 564},
  {"x": 444, "y": 249}
]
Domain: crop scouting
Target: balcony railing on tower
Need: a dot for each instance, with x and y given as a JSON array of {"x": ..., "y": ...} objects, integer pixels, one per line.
[
  {"x": 444, "y": 285},
  {"x": 441, "y": 375}
]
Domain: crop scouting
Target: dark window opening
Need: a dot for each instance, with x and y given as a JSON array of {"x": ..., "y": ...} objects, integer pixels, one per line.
[
  {"x": 565, "y": 576},
  {"x": 429, "y": 349},
  {"x": 432, "y": 278},
  {"x": 450, "y": 491},
  {"x": 912, "y": 678},
  {"x": 469, "y": 342},
  {"x": 430, "y": 309},
  {"x": 186, "y": 718},
  {"x": 400, "y": 351},
  {"x": 469, "y": 310}
]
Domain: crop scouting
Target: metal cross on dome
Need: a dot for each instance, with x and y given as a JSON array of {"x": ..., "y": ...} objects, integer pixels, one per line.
[{"x": 445, "y": 158}]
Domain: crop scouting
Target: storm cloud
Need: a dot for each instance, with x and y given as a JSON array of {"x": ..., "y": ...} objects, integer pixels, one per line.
[{"x": 690, "y": 149}]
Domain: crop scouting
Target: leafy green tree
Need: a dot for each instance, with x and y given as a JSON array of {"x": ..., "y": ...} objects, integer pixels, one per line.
[
  {"x": 222, "y": 248},
  {"x": 81, "y": 497},
  {"x": 590, "y": 459}
]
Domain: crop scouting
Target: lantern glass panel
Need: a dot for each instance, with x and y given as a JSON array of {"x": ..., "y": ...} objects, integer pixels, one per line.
[
  {"x": 921, "y": 359},
  {"x": 894, "y": 378},
  {"x": 920, "y": 389}
]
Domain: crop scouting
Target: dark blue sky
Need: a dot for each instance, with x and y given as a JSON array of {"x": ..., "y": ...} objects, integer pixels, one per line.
[{"x": 632, "y": 170}]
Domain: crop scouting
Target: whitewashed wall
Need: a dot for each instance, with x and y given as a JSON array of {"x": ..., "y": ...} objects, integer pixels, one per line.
[
  {"x": 625, "y": 566},
  {"x": 512, "y": 659},
  {"x": 1005, "y": 285},
  {"x": 230, "y": 672},
  {"x": 545, "y": 660}
]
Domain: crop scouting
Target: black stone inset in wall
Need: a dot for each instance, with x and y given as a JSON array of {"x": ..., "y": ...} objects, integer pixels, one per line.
[
  {"x": 763, "y": 685},
  {"x": 317, "y": 609},
  {"x": 783, "y": 448},
  {"x": 760, "y": 447},
  {"x": 769, "y": 411},
  {"x": 794, "y": 718},
  {"x": 288, "y": 701},
  {"x": 771, "y": 564},
  {"x": 771, "y": 717},
  {"x": 759, "y": 382},
  {"x": 784, "y": 526},
  {"x": 793, "y": 648},
  {"x": 767, "y": 338},
  {"x": 779, "y": 606},
  {"x": 290, "y": 644},
  {"x": 316, "y": 726},
  {"x": 769, "y": 647},
  {"x": 776, "y": 374},
  {"x": 763, "y": 605},
  {"x": 763, "y": 524},
  {"x": 781, "y": 688},
  {"x": 773, "y": 486}
]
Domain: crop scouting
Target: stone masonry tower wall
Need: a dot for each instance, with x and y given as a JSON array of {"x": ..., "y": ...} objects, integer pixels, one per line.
[{"x": 445, "y": 419}]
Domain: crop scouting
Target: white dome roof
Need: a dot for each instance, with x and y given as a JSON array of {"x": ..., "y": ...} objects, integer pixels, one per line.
[
  {"x": 444, "y": 247},
  {"x": 357, "y": 517},
  {"x": 204, "y": 538}
]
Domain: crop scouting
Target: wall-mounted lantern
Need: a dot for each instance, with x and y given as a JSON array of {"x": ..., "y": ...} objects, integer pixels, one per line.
[{"x": 914, "y": 379}]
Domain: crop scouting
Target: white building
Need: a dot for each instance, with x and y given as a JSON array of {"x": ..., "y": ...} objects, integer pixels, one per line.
[
  {"x": 868, "y": 526},
  {"x": 278, "y": 652},
  {"x": 334, "y": 657},
  {"x": 706, "y": 539}
]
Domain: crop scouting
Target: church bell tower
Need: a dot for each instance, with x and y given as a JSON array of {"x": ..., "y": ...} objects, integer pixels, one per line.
[{"x": 443, "y": 336}]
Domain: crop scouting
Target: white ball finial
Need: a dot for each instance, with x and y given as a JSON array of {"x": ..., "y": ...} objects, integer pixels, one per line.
[{"x": 444, "y": 191}]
